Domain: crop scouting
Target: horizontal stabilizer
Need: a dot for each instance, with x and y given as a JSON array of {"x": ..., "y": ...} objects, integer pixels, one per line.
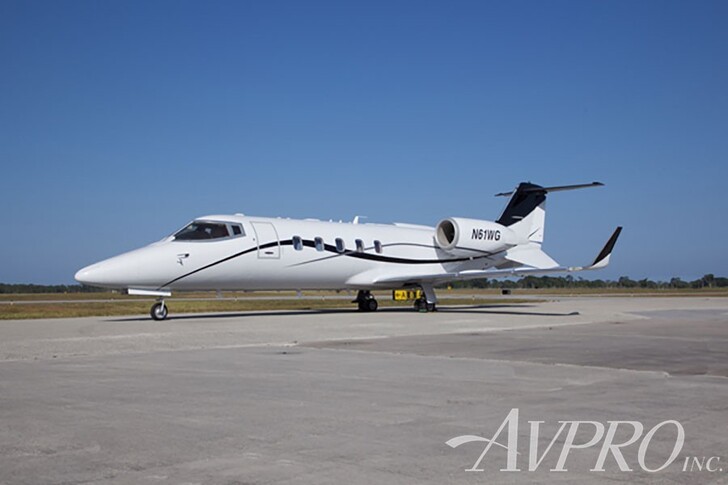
[{"x": 537, "y": 188}]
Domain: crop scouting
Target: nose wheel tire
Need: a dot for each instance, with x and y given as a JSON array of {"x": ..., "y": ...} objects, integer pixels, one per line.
[{"x": 159, "y": 311}]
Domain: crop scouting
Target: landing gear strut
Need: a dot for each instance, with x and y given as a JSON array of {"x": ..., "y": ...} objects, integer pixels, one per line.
[
  {"x": 366, "y": 301},
  {"x": 159, "y": 310},
  {"x": 428, "y": 301}
]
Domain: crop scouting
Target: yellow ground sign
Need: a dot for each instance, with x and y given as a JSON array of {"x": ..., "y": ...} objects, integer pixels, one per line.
[{"x": 404, "y": 295}]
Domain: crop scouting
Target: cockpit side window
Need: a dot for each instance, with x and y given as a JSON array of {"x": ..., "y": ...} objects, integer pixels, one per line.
[
  {"x": 206, "y": 230},
  {"x": 237, "y": 229}
]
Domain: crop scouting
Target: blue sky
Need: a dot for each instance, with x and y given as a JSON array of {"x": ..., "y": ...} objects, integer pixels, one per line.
[{"x": 120, "y": 121}]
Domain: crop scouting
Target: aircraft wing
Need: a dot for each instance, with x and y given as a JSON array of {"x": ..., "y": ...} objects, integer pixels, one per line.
[{"x": 601, "y": 261}]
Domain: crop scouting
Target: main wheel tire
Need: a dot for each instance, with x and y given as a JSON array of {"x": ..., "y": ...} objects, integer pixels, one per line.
[
  {"x": 419, "y": 305},
  {"x": 431, "y": 307},
  {"x": 158, "y": 311},
  {"x": 372, "y": 305}
]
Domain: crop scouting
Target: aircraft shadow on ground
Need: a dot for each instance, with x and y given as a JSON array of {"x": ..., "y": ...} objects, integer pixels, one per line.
[{"x": 474, "y": 309}]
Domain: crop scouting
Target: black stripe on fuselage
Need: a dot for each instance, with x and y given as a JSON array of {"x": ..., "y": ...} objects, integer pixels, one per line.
[
  {"x": 387, "y": 259},
  {"x": 332, "y": 249},
  {"x": 236, "y": 255}
]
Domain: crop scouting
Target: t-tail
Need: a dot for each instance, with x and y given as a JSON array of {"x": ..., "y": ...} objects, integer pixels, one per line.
[{"x": 525, "y": 213}]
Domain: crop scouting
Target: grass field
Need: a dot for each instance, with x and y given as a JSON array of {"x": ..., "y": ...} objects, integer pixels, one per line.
[{"x": 59, "y": 305}]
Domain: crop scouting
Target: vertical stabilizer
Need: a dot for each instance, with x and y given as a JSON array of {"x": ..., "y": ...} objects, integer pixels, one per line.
[{"x": 525, "y": 213}]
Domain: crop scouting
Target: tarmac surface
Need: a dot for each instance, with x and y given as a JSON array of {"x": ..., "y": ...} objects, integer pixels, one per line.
[{"x": 337, "y": 397}]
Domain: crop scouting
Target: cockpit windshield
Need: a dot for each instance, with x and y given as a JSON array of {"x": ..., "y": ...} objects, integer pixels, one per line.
[{"x": 204, "y": 230}]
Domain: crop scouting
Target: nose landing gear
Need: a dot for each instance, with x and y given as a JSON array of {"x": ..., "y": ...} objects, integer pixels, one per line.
[{"x": 159, "y": 310}]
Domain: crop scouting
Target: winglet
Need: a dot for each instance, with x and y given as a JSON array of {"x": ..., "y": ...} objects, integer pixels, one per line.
[{"x": 602, "y": 259}]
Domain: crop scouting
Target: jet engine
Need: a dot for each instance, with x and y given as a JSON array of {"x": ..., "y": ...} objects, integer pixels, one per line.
[{"x": 472, "y": 237}]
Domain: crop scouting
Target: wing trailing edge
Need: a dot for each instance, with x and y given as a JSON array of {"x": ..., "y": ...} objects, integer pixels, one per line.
[{"x": 531, "y": 255}]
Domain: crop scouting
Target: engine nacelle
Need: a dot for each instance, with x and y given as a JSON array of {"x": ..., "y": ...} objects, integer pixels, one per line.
[{"x": 468, "y": 237}]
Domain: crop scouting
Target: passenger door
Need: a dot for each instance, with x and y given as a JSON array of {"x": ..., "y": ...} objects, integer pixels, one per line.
[{"x": 266, "y": 237}]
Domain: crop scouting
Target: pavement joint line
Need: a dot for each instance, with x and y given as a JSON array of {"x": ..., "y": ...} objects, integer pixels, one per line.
[
  {"x": 466, "y": 331},
  {"x": 350, "y": 339},
  {"x": 637, "y": 316},
  {"x": 528, "y": 327},
  {"x": 100, "y": 337},
  {"x": 658, "y": 373},
  {"x": 61, "y": 357}
]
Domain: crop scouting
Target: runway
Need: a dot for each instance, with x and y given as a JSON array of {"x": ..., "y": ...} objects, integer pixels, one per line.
[{"x": 347, "y": 397}]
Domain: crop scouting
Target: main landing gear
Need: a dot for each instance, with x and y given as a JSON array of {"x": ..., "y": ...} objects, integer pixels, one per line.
[
  {"x": 159, "y": 310},
  {"x": 366, "y": 301},
  {"x": 421, "y": 305},
  {"x": 428, "y": 301}
]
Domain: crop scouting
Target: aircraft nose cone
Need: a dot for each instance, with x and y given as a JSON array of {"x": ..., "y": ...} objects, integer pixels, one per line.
[
  {"x": 88, "y": 275},
  {"x": 136, "y": 269},
  {"x": 104, "y": 274}
]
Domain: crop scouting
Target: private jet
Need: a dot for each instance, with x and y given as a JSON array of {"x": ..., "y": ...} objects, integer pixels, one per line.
[{"x": 238, "y": 252}]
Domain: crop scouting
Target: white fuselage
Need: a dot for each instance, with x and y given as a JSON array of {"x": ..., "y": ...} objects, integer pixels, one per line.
[{"x": 287, "y": 254}]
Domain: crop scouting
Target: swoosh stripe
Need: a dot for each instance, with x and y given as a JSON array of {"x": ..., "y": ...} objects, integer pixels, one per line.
[{"x": 332, "y": 249}]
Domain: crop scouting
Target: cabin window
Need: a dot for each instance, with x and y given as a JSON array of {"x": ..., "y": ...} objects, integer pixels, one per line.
[
  {"x": 378, "y": 246},
  {"x": 319, "y": 244},
  {"x": 359, "y": 246},
  {"x": 297, "y": 243},
  {"x": 340, "y": 247},
  {"x": 202, "y": 230}
]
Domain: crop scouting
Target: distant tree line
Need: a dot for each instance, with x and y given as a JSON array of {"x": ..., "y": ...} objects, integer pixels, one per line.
[
  {"x": 533, "y": 282},
  {"x": 22, "y": 288},
  {"x": 528, "y": 282}
]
